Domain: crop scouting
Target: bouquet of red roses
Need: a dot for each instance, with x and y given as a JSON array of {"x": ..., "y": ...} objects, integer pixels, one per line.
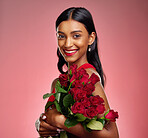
[{"x": 73, "y": 98}]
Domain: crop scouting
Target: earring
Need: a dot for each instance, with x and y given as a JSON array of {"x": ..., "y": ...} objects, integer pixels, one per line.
[{"x": 89, "y": 48}]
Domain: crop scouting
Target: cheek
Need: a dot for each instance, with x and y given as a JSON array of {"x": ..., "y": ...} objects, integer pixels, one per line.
[
  {"x": 83, "y": 43},
  {"x": 61, "y": 43}
]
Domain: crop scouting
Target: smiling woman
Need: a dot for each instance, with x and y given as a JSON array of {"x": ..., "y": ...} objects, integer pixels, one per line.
[
  {"x": 73, "y": 41},
  {"x": 77, "y": 44}
]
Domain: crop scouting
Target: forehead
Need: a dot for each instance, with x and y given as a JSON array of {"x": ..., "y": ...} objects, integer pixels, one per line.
[{"x": 71, "y": 25}]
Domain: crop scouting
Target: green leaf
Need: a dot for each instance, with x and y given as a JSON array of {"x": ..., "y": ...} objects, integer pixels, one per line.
[
  {"x": 85, "y": 126},
  {"x": 63, "y": 134},
  {"x": 59, "y": 89},
  {"x": 47, "y": 95},
  {"x": 57, "y": 106},
  {"x": 80, "y": 117},
  {"x": 58, "y": 84},
  {"x": 70, "y": 122},
  {"x": 67, "y": 100},
  {"x": 95, "y": 118},
  {"x": 102, "y": 121},
  {"x": 58, "y": 96},
  {"x": 95, "y": 125},
  {"x": 47, "y": 105}
]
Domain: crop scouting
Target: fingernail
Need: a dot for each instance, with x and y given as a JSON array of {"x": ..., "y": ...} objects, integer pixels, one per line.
[
  {"x": 44, "y": 117},
  {"x": 58, "y": 130}
]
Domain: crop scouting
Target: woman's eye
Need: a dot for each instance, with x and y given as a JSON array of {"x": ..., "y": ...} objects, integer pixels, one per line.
[
  {"x": 61, "y": 36},
  {"x": 76, "y": 36}
]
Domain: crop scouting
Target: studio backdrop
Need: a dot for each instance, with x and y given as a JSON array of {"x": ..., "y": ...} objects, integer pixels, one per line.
[{"x": 28, "y": 61}]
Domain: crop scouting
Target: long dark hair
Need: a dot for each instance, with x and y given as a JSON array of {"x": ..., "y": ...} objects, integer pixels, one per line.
[{"x": 83, "y": 16}]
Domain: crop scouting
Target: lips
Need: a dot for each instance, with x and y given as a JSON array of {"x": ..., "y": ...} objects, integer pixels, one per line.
[{"x": 70, "y": 52}]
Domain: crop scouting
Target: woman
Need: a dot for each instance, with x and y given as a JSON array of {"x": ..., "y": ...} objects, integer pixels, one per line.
[{"x": 77, "y": 44}]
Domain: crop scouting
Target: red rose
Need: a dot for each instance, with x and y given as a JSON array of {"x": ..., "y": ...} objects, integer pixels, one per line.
[
  {"x": 112, "y": 116},
  {"x": 94, "y": 79},
  {"x": 90, "y": 112},
  {"x": 100, "y": 109},
  {"x": 73, "y": 68},
  {"x": 72, "y": 91},
  {"x": 82, "y": 71},
  {"x": 74, "y": 77},
  {"x": 86, "y": 102},
  {"x": 78, "y": 108},
  {"x": 63, "y": 78},
  {"x": 84, "y": 78},
  {"x": 77, "y": 84},
  {"x": 96, "y": 100},
  {"x": 89, "y": 87},
  {"x": 79, "y": 94},
  {"x": 51, "y": 98}
]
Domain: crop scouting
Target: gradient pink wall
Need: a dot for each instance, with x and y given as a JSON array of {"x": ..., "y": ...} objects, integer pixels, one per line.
[{"x": 28, "y": 60}]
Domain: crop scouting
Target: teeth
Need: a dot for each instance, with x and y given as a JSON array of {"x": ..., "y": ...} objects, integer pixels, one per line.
[{"x": 70, "y": 51}]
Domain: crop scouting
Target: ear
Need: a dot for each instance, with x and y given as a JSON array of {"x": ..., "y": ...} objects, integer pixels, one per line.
[{"x": 92, "y": 37}]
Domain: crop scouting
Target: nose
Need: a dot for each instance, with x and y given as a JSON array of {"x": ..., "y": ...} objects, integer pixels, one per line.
[{"x": 68, "y": 42}]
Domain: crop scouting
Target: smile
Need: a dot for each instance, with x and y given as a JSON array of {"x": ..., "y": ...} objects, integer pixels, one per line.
[{"x": 70, "y": 52}]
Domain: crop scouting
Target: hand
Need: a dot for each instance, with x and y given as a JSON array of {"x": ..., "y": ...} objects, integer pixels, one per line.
[
  {"x": 55, "y": 118},
  {"x": 45, "y": 129}
]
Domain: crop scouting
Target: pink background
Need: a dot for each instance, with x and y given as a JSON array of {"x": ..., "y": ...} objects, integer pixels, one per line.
[{"x": 28, "y": 60}]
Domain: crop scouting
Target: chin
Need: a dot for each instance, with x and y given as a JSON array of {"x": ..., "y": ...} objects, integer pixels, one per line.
[{"x": 70, "y": 60}]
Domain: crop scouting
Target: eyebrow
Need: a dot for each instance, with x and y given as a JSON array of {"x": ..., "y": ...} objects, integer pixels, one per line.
[{"x": 70, "y": 32}]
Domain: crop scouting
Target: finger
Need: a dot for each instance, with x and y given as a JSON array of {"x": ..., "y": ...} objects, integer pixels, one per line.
[
  {"x": 47, "y": 126},
  {"x": 48, "y": 134},
  {"x": 42, "y": 129},
  {"x": 43, "y": 117}
]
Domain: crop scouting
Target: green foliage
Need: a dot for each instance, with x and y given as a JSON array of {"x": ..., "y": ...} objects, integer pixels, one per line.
[
  {"x": 80, "y": 117},
  {"x": 106, "y": 113},
  {"x": 58, "y": 84},
  {"x": 47, "y": 95},
  {"x": 68, "y": 100},
  {"x": 70, "y": 122},
  {"x": 57, "y": 97},
  {"x": 57, "y": 106},
  {"x": 70, "y": 85},
  {"x": 95, "y": 125},
  {"x": 70, "y": 72},
  {"x": 63, "y": 134},
  {"x": 102, "y": 121},
  {"x": 47, "y": 105},
  {"x": 85, "y": 126},
  {"x": 58, "y": 88}
]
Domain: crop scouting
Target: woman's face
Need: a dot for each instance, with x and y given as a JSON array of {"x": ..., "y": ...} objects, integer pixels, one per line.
[{"x": 73, "y": 40}]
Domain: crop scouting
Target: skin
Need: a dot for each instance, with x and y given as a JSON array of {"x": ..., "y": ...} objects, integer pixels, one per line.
[{"x": 72, "y": 35}]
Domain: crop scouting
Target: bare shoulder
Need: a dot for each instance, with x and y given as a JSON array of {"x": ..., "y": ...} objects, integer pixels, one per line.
[{"x": 53, "y": 84}]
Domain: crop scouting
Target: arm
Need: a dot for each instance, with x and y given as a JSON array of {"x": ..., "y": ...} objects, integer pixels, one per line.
[
  {"x": 46, "y": 129},
  {"x": 109, "y": 131}
]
